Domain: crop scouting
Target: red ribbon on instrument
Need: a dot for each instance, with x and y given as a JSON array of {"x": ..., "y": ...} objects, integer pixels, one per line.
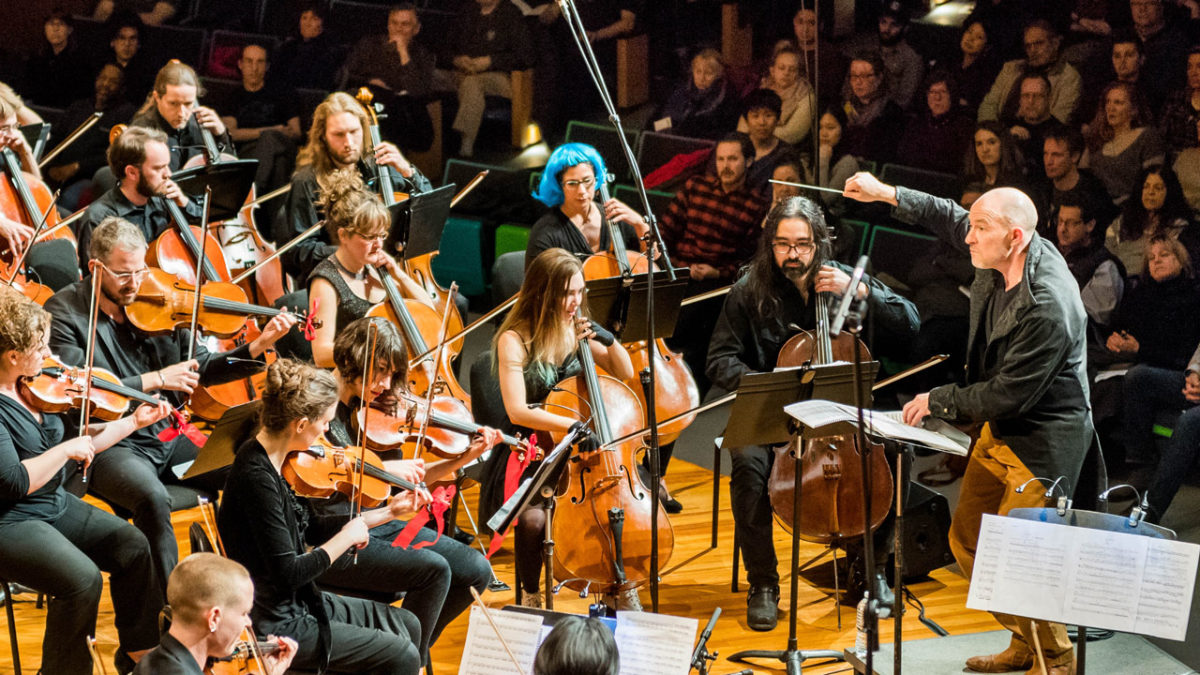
[
  {"x": 182, "y": 426},
  {"x": 310, "y": 331},
  {"x": 517, "y": 463},
  {"x": 442, "y": 498}
]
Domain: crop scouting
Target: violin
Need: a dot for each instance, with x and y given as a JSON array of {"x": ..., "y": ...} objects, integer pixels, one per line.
[
  {"x": 675, "y": 389},
  {"x": 59, "y": 388},
  {"x": 164, "y": 303},
  {"x": 245, "y": 659},
  {"x": 323, "y": 470},
  {"x": 448, "y": 428},
  {"x": 831, "y": 478},
  {"x": 602, "y": 510}
]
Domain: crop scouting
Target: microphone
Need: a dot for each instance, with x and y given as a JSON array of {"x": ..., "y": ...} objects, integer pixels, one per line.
[
  {"x": 848, "y": 298},
  {"x": 700, "y": 651}
]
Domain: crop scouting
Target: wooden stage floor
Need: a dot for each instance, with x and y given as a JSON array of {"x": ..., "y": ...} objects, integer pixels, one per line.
[{"x": 696, "y": 580}]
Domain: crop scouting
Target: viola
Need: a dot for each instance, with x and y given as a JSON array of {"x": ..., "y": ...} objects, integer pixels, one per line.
[
  {"x": 448, "y": 428},
  {"x": 602, "y": 518},
  {"x": 164, "y": 303},
  {"x": 831, "y": 478},
  {"x": 323, "y": 470},
  {"x": 59, "y": 388},
  {"x": 245, "y": 659}
]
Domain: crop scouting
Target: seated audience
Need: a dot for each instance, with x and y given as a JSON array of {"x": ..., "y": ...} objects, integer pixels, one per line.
[
  {"x": 795, "y": 94},
  {"x": 1121, "y": 142},
  {"x": 903, "y": 64},
  {"x": 1062, "y": 149},
  {"x": 263, "y": 120},
  {"x": 823, "y": 66},
  {"x": 873, "y": 121},
  {"x": 704, "y": 107},
  {"x": 1155, "y": 322},
  {"x": 937, "y": 135},
  {"x": 1179, "y": 116},
  {"x": 309, "y": 59},
  {"x": 1032, "y": 120},
  {"x": 992, "y": 162},
  {"x": 1164, "y": 43},
  {"x": 60, "y": 72},
  {"x": 1187, "y": 168},
  {"x": 1157, "y": 210},
  {"x": 1042, "y": 44},
  {"x": 1100, "y": 274},
  {"x": 761, "y": 120},
  {"x": 125, "y": 51},
  {"x": 975, "y": 70}
]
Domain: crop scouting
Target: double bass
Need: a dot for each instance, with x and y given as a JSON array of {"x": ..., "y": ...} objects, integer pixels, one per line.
[
  {"x": 831, "y": 477},
  {"x": 602, "y": 516}
]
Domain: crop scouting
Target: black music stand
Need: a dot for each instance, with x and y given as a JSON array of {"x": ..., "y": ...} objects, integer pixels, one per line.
[
  {"x": 234, "y": 427},
  {"x": 540, "y": 485},
  {"x": 230, "y": 182},
  {"x": 758, "y": 418},
  {"x": 619, "y": 304},
  {"x": 417, "y": 222}
]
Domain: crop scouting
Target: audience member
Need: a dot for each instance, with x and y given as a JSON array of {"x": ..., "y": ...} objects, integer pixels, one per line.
[
  {"x": 1155, "y": 322},
  {"x": 1042, "y": 54},
  {"x": 711, "y": 228},
  {"x": 1158, "y": 211},
  {"x": 1033, "y": 118},
  {"x": 1003, "y": 20},
  {"x": 706, "y": 106},
  {"x": 834, "y": 162},
  {"x": 1064, "y": 181},
  {"x": 975, "y": 70},
  {"x": 1187, "y": 168},
  {"x": 1100, "y": 275},
  {"x": 821, "y": 64},
  {"x": 149, "y": 12},
  {"x": 1164, "y": 44},
  {"x": 904, "y": 66},
  {"x": 761, "y": 120},
  {"x": 936, "y": 137},
  {"x": 1182, "y": 110},
  {"x": 73, "y": 168},
  {"x": 873, "y": 121},
  {"x": 492, "y": 42},
  {"x": 993, "y": 162},
  {"x": 795, "y": 95},
  {"x": 60, "y": 72},
  {"x": 309, "y": 58},
  {"x": 1126, "y": 59},
  {"x": 400, "y": 72},
  {"x": 1120, "y": 141},
  {"x": 578, "y": 646},
  {"x": 125, "y": 51},
  {"x": 263, "y": 120}
]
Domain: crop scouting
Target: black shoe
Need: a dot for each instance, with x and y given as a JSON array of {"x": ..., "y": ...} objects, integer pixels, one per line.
[
  {"x": 670, "y": 504},
  {"x": 463, "y": 537},
  {"x": 762, "y": 608}
]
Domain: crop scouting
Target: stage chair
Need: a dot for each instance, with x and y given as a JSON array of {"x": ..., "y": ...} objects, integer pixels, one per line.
[{"x": 7, "y": 589}]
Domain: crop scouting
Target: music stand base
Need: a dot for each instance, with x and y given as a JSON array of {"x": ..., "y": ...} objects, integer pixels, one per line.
[{"x": 791, "y": 658}]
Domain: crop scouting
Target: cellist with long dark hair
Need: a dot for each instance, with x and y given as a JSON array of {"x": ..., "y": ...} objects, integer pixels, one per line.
[{"x": 777, "y": 292}]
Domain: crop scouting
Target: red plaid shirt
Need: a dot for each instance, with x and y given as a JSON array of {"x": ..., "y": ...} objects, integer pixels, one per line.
[{"x": 705, "y": 224}]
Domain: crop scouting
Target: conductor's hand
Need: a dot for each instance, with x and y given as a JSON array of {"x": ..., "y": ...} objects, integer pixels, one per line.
[
  {"x": 865, "y": 187},
  {"x": 916, "y": 410},
  {"x": 182, "y": 376}
]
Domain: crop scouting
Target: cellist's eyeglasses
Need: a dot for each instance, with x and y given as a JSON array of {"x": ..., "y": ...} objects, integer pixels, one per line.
[
  {"x": 783, "y": 247},
  {"x": 128, "y": 276}
]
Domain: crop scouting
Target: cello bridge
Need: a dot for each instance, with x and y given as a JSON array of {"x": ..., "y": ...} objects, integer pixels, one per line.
[{"x": 832, "y": 471}]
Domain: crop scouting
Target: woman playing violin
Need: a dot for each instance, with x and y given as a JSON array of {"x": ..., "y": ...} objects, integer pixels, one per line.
[
  {"x": 263, "y": 526},
  {"x": 210, "y": 599},
  {"x": 50, "y": 540},
  {"x": 534, "y": 348},
  {"x": 342, "y": 286},
  {"x": 436, "y": 580}
]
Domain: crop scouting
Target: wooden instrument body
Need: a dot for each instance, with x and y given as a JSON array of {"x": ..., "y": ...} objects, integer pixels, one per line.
[
  {"x": 244, "y": 248},
  {"x": 24, "y": 198},
  {"x": 403, "y": 431},
  {"x": 831, "y": 474},
  {"x": 323, "y": 471},
  {"x": 59, "y": 392}
]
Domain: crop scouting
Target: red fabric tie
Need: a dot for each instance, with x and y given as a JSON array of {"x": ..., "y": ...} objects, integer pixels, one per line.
[
  {"x": 180, "y": 425},
  {"x": 442, "y": 498},
  {"x": 310, "y": 330},
  {"x": 517, "y": 463}
]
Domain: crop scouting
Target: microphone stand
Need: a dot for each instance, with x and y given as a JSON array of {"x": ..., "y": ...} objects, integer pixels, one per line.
[
  {"x": 871, "y": 615},
  {"x": 654, "y": 243}
]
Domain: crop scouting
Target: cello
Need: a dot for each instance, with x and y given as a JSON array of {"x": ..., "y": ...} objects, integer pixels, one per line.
[
  {"x": 24, "y": 198},
  {"x": 831, "y": 478},
  {"x": 602, "y": 515}
]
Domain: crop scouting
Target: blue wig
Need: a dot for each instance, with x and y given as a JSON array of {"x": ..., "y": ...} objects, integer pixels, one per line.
[{"x": 549, "y": 191}]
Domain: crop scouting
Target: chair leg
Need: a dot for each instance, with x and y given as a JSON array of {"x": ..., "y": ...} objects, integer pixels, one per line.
[
  {"x": 716, "y": 493},
  {"x": 733, "y": 586},
  {"x": 12, "y": 628}
]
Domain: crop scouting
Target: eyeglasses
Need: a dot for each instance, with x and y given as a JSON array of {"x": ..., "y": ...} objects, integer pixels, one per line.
[
  {"x": 372, "y": 237},
  {"x": 128, "y": 276},
  {"x": 9, "y": 129},
  {"x": 782, "y": 247},
  {"x": 586, "y": 183}
]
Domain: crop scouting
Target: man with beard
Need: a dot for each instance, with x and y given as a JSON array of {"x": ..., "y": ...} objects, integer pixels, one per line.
[
  {"x": 132, "y": 474},
  {"x": 173, "y": 109},
  {"x": 337, "y": 141},
  {"x": 904, "y": 65},
  {"x": 1032, "y": 120},
  {"x": 1042, "y": 54},
  {"x": 141, "y": 162},
  {"x": 710, "y": 228},
  {"x": 777, "y": 295}
]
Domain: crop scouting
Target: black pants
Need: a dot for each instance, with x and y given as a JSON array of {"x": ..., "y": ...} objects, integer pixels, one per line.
[
  {"x": 436, "y": 580},
  {"x": 125, "y": 477},
  {"x": 694, "y": 330},
  {"x": 64, "y": 558},
  {"x": 366, "y": 638}
]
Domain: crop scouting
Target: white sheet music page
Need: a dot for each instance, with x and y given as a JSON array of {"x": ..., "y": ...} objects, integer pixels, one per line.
[
  {"x": 1081, "y": 576},
  {"x": 655, "y": 644},
  {"x": 483, "y": 653}
]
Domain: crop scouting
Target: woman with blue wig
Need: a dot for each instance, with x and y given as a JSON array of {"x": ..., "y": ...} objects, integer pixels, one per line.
[{"x": 575, "y": 221}]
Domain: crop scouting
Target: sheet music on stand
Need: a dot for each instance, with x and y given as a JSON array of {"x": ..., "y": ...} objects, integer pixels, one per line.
[
  {"x": 1082, "y": 576},
  {"x": 649, "y": 644},
  {"x": 820, "y": 415}
]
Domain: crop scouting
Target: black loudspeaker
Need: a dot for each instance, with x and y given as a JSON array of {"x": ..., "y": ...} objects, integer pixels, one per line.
[{"x": 926, "y": 532}]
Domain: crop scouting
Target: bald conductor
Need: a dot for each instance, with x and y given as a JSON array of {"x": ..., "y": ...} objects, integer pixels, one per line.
[
  {"x": 210, "y": 599},
  {"x": 1025, "y": 379}
]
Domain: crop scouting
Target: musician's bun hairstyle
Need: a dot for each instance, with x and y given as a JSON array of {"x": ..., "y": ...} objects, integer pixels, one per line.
[
  {"x": 295, "y": 390},
  {"x": 348, "y": 205},
  {"x": 24, "y": 324}
]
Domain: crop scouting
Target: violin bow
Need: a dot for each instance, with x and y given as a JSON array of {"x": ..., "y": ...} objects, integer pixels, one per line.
[
  {"x": 89, "y": 358},
  {"x": 37, "y": 234},
  {"x": 199, "y": 301},
  {"x": 356, "y": 497},
  {"x": 71, "y": 138},
  {"x": 439, "y": 350},
  {"x": 468, "y": 329},
  {"x": 210, "y": 524},
  {"x": 467, "y": 188},
  {"x": 97, "y": 662},
  {"x": 279, "y": 251}
]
